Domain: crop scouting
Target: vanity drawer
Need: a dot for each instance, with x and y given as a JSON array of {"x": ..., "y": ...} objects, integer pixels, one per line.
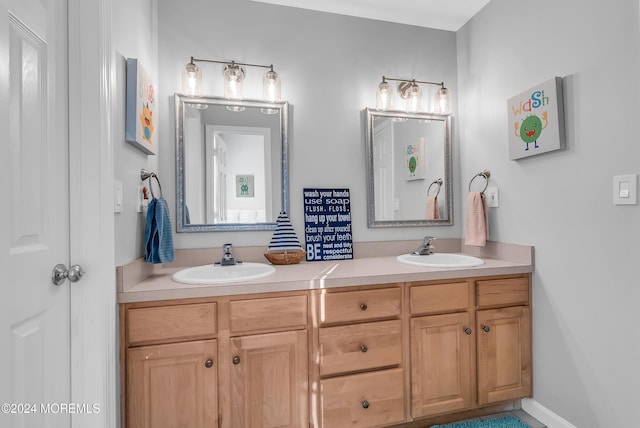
[
  {"x": 363, "y": 400},
  {"x": 171, "y": 323},
  {"x": 273, "y": 313},
  {"x": 503, "y": 292},
  {"x": 363, "y": 305},
  {"x": 358, "y": 347},
  {"x": 438, "y": 298}
]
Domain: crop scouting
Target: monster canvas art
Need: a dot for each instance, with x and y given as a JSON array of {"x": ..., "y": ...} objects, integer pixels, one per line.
[
  {"x": 141, "y": 106},
  {"x": 536, "y": 120}
]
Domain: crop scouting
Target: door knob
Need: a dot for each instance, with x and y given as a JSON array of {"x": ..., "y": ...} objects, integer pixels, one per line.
[
  {"x": 60, "y": 273},
  {"x": 486, "y": 328},
  {"x": 236, "y": 360},
  {"x": 209, "y": 363},
  {"x": 467, "y": 331}
]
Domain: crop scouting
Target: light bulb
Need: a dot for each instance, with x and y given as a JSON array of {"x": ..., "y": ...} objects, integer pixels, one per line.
[
  {"x": 271, "y": 86},
  {"x": 233, "y": 82},
  {"x": 191, "y": 80},
  {"x": 414, "y": 99},
  {"x": 384, "y": 96},
  {"x": 443, "y": 102}
]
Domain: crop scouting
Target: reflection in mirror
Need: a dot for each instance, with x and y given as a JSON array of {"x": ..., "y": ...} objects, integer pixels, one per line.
[
  {"x": 231, "y": 163},
  {"x": 408, "y": 169}
]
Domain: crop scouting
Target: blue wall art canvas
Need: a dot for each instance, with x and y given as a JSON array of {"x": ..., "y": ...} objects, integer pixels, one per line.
[
  {"x": 141, "y": 108},
  {"x": 536, "y": 120}
]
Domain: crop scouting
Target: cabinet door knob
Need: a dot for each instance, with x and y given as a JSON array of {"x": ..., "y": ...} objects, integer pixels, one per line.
[
  {"x": 209, "y": 363},
  {"x": 486, "y": 328},
  {"x": 467, "y": 331},
  {"x": 364, "y": 348},
  {"x": 363, "y": 306},
  {"x": 236, "y": 360},
  {"x": 365, "y": 404}
]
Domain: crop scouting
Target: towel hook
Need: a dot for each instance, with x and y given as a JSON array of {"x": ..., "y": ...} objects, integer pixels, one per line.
[
  {"x": 438, "y": 182},
  {"x": 484, "y": 174},
  {"x": 144, "y": 175}
]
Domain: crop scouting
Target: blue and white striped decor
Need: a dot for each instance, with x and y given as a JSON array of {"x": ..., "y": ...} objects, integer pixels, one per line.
[{"x": 284, "y": 237}]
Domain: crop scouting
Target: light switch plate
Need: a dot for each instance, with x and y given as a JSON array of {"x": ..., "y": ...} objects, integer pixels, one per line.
[
  {"x": 492, "y": 197},
  {"x": 117, "y": 197},
  {"x": 625, "y": 189}
]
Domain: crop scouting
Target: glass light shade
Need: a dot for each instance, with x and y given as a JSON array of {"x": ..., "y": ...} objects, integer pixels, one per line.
[
  {"x": 414, "y": 99},
  {"x": 384, "y": 96},
  {"x": 443, "y": 101},
  {"x": 191, "y": 80},
  {"x": 233, "y": 82},
  {"x": 271, "y": 86}
]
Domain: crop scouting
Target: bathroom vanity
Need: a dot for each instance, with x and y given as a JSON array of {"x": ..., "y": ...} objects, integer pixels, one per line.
[{"x": 360, "y": 343}]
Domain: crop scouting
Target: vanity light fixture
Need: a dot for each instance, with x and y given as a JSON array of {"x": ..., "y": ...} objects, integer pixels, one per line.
[
  {"x": 409, "y": 90},
  {"x": 234, "y": 75}
]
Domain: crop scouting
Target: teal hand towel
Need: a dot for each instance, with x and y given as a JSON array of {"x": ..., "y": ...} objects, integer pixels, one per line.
[{"x": 158, "y": 233}]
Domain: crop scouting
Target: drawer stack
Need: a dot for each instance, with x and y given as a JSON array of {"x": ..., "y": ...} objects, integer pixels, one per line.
[{"x": 360, "y": 357}]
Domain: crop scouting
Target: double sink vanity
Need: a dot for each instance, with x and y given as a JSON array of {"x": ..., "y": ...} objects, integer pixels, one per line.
[{"x": 370, "y": 342}]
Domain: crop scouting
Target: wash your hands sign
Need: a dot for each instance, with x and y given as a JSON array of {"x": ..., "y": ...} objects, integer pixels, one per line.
[{"x": 327, "y": 224}]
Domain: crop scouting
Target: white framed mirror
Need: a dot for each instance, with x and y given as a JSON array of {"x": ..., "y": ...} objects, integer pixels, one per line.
[
  {"x": 231, "y": 163},
  {"x": 408, "y": 169}
]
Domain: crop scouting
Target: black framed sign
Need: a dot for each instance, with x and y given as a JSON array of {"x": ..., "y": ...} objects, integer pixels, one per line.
[{"x": 327, "y": 224}]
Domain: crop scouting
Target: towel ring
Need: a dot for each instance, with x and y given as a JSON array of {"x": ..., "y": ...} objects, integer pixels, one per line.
[
  {"x": 144, "y": 175},
  {"x": 438, "y": 182},
  {"x": 484, "y": 174}
]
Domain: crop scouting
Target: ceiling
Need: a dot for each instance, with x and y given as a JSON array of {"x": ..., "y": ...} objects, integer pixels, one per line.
[{"x": 441, "y": 14}]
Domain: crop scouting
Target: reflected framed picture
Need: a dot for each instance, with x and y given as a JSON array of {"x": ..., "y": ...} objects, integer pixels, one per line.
[
  {"x": 245, "y": 186},
  {"x": 414, "y": 160},
  {"x": 140, "y": 109}
]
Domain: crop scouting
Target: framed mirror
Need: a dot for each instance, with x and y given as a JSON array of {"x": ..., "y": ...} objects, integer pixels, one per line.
[
  {"x": 408, "y": 169},
  {"x": 231, "y": 163}
]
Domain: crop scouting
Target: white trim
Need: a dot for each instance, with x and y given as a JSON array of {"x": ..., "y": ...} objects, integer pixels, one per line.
[
  {"x": 94, "y": 346},
  {"x": 544, "y": 415}
]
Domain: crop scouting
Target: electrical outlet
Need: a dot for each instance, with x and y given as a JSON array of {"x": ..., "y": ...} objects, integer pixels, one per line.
[{"x": 492, "y": 197}]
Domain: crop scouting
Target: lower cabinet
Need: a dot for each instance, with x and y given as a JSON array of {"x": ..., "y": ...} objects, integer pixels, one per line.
[
  {"x": 360, "y": 357},
  {"x": 470, "y": 344},
  {"x": 504, "y": 354},
  {"x": 269, "y": 380},
  {"x": 221, "y": 362},
  {"x": 173, "y": 385},
  {"x": 441, "y": 360}
]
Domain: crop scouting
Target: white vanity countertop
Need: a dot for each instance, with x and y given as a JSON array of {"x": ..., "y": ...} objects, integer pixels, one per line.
[{"x": 156, "y": 284}]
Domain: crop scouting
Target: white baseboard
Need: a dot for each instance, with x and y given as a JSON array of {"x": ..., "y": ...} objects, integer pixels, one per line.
[{"x": 544, "y": 415}]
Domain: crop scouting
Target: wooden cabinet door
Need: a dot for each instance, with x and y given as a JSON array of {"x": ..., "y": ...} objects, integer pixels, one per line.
[
  {"x": 269, "y": 380},
  {"x": 441, "y": 364},
  {"x": 504, "y": 354},
  {"x": 172, "y": 385}
]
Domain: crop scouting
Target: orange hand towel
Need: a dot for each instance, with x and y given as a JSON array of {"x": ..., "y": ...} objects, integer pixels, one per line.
[
  {"x": 477, "y": 228},
  {"x": 433, "y": 210}
]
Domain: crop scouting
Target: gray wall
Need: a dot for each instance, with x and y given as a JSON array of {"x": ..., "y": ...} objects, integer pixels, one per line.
[
  {"x": 134, "y": 36},
  {"x": 585, "y": 293},
  {"x": 330, "y": 66}
]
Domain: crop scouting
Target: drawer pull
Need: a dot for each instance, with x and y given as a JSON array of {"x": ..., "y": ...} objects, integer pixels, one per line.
[
  {"x": 486, "y": 328},
  {"x": 236, "y": 360},
  {"x": 209, "y": 363},
  {"x": 364, "y": 348},
  {"x": 467, "y": 331},
  {"x": 363, "y": 306},
  {"x": 365, "y": 404}
]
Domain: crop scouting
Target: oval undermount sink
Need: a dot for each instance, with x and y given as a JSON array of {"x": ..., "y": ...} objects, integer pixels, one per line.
[
  {"x": 441, "y": 260},
  {"x": 220, "y": 275}
]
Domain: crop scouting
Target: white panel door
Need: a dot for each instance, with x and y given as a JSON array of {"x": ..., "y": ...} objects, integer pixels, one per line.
[
  {"x": 383, "y": 172},
  {"x": 34, "y": 219}
]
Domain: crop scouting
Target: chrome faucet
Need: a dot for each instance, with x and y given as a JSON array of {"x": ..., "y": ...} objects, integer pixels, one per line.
[
  {"x": 227, "y": 256},
  {"x": 425, "y": 248}
]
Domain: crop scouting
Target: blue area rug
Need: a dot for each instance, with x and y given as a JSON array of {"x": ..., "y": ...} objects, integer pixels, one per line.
[{"x": 501, "y": 422}]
